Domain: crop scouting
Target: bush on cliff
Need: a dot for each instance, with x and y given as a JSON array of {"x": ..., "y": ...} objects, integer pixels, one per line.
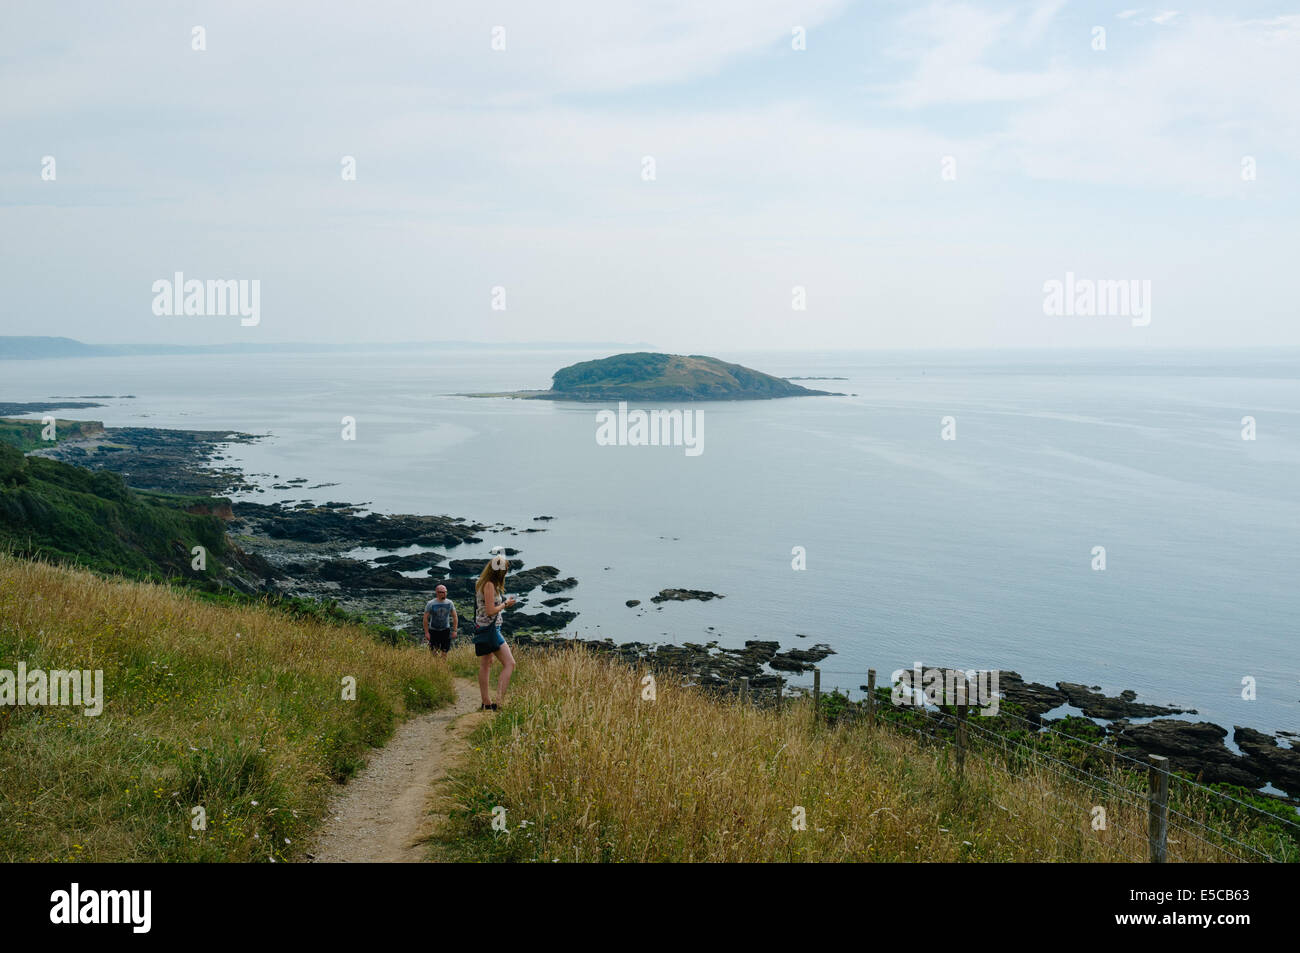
[{"x": 92, "y": 518}]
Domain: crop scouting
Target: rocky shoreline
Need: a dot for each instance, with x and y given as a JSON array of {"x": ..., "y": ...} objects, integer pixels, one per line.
[
  {"x": 311, "y": 545},
  {"x": 306, "y": 549},
  {"x": 1197, "y": 748},
  {"x": 167, "y": 461}
]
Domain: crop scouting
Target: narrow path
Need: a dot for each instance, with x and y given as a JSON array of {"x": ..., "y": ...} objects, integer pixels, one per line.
[{"x": 382, "y": 815}]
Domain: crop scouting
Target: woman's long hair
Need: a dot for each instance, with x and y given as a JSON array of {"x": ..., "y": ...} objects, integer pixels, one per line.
[{"x": 495, "y": 576}]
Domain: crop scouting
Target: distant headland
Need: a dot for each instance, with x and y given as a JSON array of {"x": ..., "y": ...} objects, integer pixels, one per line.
[
  {"x": 26, "y": 347},
  {"x": 650, "y": 376}
]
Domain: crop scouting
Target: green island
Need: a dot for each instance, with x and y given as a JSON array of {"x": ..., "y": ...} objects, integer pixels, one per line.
[{"x": 651, "y": 376}]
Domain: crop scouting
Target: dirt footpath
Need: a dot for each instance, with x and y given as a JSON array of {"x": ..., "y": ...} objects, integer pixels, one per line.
[{"x": 382, "y": 815}]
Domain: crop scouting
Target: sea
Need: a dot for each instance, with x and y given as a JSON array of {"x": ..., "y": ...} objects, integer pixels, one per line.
[{"x": 1124, "y": 519}]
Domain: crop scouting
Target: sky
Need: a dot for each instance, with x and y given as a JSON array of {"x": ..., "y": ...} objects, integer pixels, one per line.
[{"x": 684, "y": 172}]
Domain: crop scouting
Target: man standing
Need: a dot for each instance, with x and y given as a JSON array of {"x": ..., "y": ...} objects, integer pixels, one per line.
[{"x": 440, "y": 622}]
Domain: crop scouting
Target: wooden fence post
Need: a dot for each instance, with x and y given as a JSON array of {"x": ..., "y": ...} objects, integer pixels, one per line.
[
  {"x": 817, "y": 694},
  {"x": 1158, "y": 803},
  {"x": 744, "y": 690},
  {"x": 961, "y": 737},
  {"x": 871, "y": 696}
]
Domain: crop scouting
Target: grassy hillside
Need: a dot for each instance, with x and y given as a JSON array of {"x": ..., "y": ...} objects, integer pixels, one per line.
[
  {"x": 235, "y": 709},
  {"x": 589, "y": 771},
  {"x": 26, "y": 434},
  {"x": 240, "y": 710},
  {"x": 90, "y": 517}
]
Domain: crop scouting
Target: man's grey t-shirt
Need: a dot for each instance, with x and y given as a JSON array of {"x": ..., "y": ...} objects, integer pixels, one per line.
[{"x": 439, "y": 613}]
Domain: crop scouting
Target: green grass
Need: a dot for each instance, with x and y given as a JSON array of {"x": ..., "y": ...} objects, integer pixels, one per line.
[{"x": 238, "y": 709}]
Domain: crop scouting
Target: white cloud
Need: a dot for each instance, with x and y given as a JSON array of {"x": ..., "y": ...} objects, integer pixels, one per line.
[
  {"x": 143, "y": 54},
  {"x": 476, "y": 168},
  {"x": 1176, "y": 116},
  {"x": 947, "y": 45}
]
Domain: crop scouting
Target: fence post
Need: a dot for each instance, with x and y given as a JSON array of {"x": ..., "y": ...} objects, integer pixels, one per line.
[
  {"x": 817, "y": 694},
  {"x": 1158, "y": 802},
  {"x": 744, "y": 690},
  {"x": 961, "y": 735},
  {"x": 871, "y": 696}
]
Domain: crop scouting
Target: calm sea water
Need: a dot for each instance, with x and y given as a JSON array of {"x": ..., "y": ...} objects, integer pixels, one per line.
[{"x": 975, "y": 552}]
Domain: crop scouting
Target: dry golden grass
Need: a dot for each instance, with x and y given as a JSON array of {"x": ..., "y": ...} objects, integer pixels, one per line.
[
  {"x": 237, "y": 710},
  {"x": 588, "y": 770}
]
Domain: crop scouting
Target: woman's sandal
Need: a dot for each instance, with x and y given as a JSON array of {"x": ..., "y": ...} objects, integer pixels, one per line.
[{"x": 487, "y": 707}]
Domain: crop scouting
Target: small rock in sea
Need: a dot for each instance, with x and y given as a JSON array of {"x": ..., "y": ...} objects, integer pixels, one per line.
[
  {"x": 543, "y": 517},
  {"x": 682, "y": 595},
  {"x": 632, "y": 603},
  {"x": 800, "y": 660},
  {"x": 530, "y": 579}
]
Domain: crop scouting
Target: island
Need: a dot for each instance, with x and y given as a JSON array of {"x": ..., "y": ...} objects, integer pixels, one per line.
[{"x": 651, "y": 376}]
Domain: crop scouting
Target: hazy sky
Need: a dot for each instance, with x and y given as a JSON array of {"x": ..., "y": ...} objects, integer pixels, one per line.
[{"x": 775, "y": 167}]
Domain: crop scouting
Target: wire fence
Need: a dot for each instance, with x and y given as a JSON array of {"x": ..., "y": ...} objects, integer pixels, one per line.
[{"x": 1091, "y": 795}]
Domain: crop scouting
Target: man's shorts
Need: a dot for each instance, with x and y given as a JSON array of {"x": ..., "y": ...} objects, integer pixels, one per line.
[{"x": 440, "y": 640}]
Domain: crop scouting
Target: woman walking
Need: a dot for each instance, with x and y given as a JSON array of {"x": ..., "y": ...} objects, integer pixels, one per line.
[{"x": 489, "y": 602}]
